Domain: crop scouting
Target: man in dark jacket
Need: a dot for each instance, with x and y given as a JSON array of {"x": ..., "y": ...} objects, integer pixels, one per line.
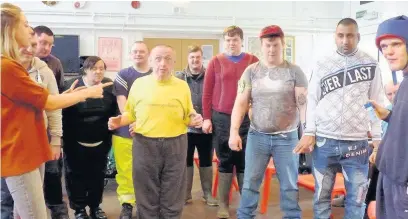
[
  {"x": 193, "y": 74},
  {"x": 391, "y": 160},
  {"x": 53, "y": 169}
]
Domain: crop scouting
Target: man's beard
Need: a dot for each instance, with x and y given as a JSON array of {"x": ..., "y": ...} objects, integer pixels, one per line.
[{"x": 341, "y": 49}]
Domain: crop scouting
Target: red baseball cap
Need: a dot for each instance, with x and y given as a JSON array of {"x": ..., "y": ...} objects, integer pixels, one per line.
[{"x": 272, "y": 30}]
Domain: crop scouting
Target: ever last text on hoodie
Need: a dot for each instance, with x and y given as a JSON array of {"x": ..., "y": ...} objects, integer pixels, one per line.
[{"x": 43, "y": 75}]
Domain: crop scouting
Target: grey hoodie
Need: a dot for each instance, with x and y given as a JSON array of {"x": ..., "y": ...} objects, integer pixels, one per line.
[{"x": 43, "y": 75}]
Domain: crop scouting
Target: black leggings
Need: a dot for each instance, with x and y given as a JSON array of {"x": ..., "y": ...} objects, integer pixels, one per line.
[
  {"x": 372, "y": 187},
  {"x": 203, "y": 142}
]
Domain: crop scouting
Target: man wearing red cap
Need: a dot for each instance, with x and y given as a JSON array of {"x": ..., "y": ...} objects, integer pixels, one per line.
[
  {"x": 337, "y": 121},
  {"x": 277, "y": 90},
  {"x": 219, "y": 92},
  {"x": 391, "y": 160}
]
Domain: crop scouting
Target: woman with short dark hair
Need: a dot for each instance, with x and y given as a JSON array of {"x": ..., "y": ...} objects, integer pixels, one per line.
[{"x": 87, "y": 142}]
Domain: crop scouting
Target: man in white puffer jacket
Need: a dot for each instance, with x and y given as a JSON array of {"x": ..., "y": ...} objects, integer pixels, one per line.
[{"x": 337, "y": 121}]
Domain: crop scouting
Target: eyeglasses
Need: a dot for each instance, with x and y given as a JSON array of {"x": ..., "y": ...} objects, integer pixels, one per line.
[{"x": 134, "y": 52}]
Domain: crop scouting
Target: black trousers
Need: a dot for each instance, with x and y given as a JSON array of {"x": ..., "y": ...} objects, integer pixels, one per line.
[
  {"x": 159, "y": 176},
  {"x": 53, "y": 186},
  {"x": 203, "y": 142},
  {"x": 228, "y": 158},
  {"x": 372, "y": 187},
  {"x": 85, "y": 173}
]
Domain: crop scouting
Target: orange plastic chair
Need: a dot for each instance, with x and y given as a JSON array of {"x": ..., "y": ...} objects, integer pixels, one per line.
[
  {"x": 215, "y": 186},
  {"x": 307, "y": 181},
  {"x": 371, "y": 210},
  {"x": 270, "y": 171}
]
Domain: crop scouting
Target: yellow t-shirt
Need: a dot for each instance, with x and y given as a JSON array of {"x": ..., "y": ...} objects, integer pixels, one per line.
[{"x": 160, "y": 108}]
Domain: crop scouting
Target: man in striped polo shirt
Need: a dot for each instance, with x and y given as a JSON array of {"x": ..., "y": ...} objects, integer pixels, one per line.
[{"x": 122, "y": 140}]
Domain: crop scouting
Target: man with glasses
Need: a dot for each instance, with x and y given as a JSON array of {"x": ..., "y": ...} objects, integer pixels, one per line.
[
  {"x": 161, "y": 106},
  {"x": 122, "y": 139},
  {"x": 52, "y": 177}
]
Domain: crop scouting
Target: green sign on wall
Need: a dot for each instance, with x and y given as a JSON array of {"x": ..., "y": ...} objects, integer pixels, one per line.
[{"x": 360, "y": 14}]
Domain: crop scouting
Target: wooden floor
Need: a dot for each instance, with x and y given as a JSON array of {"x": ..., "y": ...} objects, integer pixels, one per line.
[{"x": 198, "y": 210}]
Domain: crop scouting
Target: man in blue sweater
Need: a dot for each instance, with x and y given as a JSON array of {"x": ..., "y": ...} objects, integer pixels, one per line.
[{"x": 391, "y": 160}]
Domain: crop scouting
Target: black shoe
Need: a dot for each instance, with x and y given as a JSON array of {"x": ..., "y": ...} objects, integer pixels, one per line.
[
  {"x": 126, "y": 212},
  {"x": 59, "y": 211},
  {"x": 81, "y": 214},
  {"x": 97, "y": 213},
  {"x": 59, "y": 216}
]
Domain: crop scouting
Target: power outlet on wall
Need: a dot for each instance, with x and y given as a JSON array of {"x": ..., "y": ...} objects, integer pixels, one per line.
[
  {"x": 372, "y": 15},
  {"x": 179, "y": 10}
]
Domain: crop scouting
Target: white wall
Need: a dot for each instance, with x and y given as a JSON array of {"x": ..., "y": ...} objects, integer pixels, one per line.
[
  {"x": 312, "y": 23},
  {"x": 368, "y": 28},
  {"x": 385, "y": 10}
]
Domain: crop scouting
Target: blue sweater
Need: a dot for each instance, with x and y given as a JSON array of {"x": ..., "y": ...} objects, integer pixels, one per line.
[{"x": 392, "y": 156}]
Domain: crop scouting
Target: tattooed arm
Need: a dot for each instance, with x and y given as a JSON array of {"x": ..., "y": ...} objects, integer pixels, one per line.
[
  {"x": 241, "y": 107},
  {"x": 301, "y": 100},
  {"x": 242, "y": 101}
]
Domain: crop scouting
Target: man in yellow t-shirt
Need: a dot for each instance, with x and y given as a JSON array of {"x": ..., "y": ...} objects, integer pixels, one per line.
[{"x": 161, "y": 106}]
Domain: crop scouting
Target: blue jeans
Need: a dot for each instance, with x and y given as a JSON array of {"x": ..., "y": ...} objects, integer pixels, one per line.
[
  {"x": 260, "y": 148},
  {"x": 351, "y": 157},
  {"x": 7, "y": 203}
]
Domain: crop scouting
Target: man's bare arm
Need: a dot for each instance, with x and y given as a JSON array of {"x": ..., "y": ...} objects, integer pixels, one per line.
[
  {"x": 241, "y": 106},
  {"x": 121, "y": 103},
  {"x": 301, "y": 102},
  {"x": 126, "y": 119}
]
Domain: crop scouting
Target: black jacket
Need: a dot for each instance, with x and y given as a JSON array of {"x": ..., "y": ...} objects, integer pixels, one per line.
[
  {"x": 88, "y": 121},
  {"x": 196, "y": 87}
]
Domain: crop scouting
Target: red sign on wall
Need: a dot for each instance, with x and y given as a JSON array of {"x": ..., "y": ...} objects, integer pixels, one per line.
[{"x": 110, "y": 51}]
